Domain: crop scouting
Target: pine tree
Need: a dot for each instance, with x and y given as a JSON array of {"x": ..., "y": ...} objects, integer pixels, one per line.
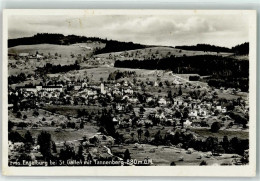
[
  {"x": 44, "y": 140},
  {"x": 127, "y": 155},
  {"x": 28, "y": 138}
]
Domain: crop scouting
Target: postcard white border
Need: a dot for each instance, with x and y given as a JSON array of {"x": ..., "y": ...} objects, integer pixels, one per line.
[{"x": 216, "y": 171}]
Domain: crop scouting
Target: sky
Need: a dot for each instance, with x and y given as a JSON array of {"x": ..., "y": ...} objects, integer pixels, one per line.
[{"x": 172, "y": 30}]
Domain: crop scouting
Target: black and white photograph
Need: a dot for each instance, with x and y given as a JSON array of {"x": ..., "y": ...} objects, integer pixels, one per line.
[{"x": 129, "y": 89}]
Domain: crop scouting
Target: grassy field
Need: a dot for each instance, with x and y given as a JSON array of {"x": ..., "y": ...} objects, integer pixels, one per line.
[
  {"x": 64, "y": 135},
  {"x": 103, "y": 72},
  {"x": 147, "y": 53},
  {"x": 205, "y": 133},
  {"x": 69, "y": 110},
  {"x": 42, "y": 114},
  {"x": 65, "y": 51},
  {"x": 164, "y": 155},
  {"x": 158, "y": 52},
  {"x": 229, "y": 96}
]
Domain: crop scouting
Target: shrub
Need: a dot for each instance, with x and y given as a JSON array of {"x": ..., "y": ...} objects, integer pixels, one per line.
[
  {"x": 215, "y": 127},
  {"x": 35, "y": 113},
  {"x": 204, "y": 124},
  {"x": 172, "y": 164},
  {"x": 203, "y": 163},
  {"x": 194, "y": 78},
  {"x": 28, "y": 138},
  {"x": 18, "y": 115},
  {"x": 127, "y": 155},
  {"x": 15, "y": 137},
  {"x": 22, "y": 124}
]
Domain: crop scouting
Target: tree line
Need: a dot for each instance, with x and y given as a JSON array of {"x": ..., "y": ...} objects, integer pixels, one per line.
[
  {"x": 242, "y": 49},
  {"x": 116, "y": 46},
  {"x": 50, "y": 68},
  {"x": 118, "y": 74},
  {"x": 204, "y": 47},
  {"x": 14, "y": 79}
]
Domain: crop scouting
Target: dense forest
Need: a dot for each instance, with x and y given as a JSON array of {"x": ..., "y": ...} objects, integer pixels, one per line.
[
  {"x": 115, "y": 46},
  {"x": 223, "y": 71},
  {"x": 50, "y": 68},
  {"x": 242, "y": 49}
]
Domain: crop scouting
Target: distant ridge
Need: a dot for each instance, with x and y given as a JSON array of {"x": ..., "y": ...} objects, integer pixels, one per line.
[
  {"x": 60, "y": 39},
  {"x": 114, "y": 45}
]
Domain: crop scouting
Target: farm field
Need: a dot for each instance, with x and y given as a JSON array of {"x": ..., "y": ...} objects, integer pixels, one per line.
[{"x": 64, "y": 50}]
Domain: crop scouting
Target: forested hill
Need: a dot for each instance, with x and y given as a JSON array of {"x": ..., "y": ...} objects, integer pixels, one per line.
[
  {"x": 242, "y": 49},
  {"x": 201, "y": 64},
  {"x": 223, "y": 71},
  {"x": 59, "y": 39}
]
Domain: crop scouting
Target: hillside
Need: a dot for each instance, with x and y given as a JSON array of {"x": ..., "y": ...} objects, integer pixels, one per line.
[
  {"x": 66, "y": 55},
  {"x": 153, "y": 53},
  {"x": 64, "y": 50}
]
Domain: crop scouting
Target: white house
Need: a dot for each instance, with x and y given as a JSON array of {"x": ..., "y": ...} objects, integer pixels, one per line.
[
  {"x": 224, "y": 110},
  {"x": 149, "y": 99},
  {"x": 39, "y": 88},
  {"x": 218, "y": 108},
  {"x": 39, "y": 57},
  {"x": 162, "y": 101},
  {"x": 115, "y": 120},
  {"x": 202, "y": 112},
  {"x": 187, "y": 123},
  {"x": 120, "y": 107},
  {"x": 160, "y": 116},
  {"x": 128, "y": 91},
  {"x": 193, "y": 114},
  {"x": 91, "y": 93},
  {"x": 23, "y": 54},
  {"x": 102, "y": 88},
  {"x": 77, "y": 87},
  {"x": 125, "y": 83},
  {"x": 133, "y": 100}
]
